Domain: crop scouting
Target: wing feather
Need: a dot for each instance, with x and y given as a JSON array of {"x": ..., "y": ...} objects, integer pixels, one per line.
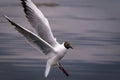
[
  {"x": 39, "y": 22},
  {"x": 32, "y": 38}
]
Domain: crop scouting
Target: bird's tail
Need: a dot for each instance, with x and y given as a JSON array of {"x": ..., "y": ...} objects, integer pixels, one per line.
[{"x": 48, "y": 67}]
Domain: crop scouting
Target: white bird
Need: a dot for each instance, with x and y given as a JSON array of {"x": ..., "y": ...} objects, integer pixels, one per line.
[{"x": 44, "y": 39}]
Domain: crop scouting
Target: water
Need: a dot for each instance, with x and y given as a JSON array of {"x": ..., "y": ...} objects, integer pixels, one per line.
[{"x": 92, "y": 26}]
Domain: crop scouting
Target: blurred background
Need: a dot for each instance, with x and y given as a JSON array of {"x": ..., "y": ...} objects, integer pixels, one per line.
[{"x": 92, "y": 26}]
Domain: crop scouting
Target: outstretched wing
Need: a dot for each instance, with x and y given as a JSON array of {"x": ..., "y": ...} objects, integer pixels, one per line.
[
  {"x": 39, "y": 22},
  {"x": 32, "y": 38}
]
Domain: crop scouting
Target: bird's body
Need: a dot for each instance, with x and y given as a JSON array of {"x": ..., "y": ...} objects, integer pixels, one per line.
[
  {"x": 44, "y": 39},
  {"x": 60, "y": 52}
]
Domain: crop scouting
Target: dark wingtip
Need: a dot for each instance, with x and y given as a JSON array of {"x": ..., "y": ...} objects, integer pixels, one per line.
[
  {"x": 6, "y": 17},
  {"x": 23, "y": 2},
  {"x": 9, "y": 20}
]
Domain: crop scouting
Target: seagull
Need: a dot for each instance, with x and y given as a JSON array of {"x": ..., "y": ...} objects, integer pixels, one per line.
[{"x": 43, "y": 39}]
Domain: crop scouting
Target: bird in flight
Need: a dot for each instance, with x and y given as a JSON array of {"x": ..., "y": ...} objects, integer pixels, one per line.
[{"x": 43, "y": 39}]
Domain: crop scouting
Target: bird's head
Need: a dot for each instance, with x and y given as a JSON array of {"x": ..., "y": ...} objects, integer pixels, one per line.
[{"x": 67, "y": 45}]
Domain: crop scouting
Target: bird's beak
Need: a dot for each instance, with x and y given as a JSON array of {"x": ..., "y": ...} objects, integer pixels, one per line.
[{"x": 71, "y": 47}]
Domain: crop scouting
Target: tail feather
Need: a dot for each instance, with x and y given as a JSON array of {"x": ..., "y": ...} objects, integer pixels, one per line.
[{"x": 48, "y": 67}]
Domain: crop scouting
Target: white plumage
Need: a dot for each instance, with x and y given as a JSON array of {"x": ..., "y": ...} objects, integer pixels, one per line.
[{"x": 44, "y": 39}]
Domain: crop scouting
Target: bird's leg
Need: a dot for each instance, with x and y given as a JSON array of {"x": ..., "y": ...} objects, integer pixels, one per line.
[{"x": 62, "y": 69}]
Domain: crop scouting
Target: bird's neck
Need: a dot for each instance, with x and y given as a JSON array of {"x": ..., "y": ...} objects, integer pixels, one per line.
[{"x": 63, "y": 45}]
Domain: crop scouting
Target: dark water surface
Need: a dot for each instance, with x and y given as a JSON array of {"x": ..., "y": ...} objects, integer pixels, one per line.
[{"x": 92, "y": 26}]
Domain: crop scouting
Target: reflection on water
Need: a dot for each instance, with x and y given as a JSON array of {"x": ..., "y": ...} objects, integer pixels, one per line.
[{"x": 92, "y": 26}]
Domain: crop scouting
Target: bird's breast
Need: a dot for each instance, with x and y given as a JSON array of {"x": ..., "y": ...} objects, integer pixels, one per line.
[{"x": 60, "y": 52}]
